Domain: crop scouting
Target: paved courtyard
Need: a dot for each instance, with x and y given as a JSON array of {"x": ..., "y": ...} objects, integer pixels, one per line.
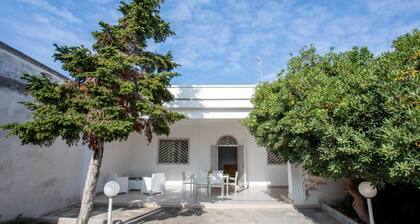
[
  {"x": 229, "y": 216},
  {"x": 279, "y": 215},
  {"x": 175, "y": 197},
  {"x": 253, "y": 205}
]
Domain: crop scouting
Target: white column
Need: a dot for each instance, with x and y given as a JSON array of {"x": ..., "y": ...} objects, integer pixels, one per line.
[
  {"x": 295, "y": 178},
  {"x": 289, "y": 179}
]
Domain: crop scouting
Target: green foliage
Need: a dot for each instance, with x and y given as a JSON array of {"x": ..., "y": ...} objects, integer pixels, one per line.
[
  {"x": 117, "y": 87},
  {"x": 349, "y": 114}
]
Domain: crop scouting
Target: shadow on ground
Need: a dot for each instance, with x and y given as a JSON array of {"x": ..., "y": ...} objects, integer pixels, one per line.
[{"x": 160, "y": 214}]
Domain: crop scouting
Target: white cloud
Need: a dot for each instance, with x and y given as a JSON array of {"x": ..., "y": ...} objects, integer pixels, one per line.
[
  {"x": 183, "y": 10},
  {"x": 42, "y": 19},
  {"x": 392, "y": 7},
  {"x": 59, "y": 12},
  {"x": 218, "y": 41},
  {"x": 101, "y": 1},
  {"x": 50, "y": 32}
]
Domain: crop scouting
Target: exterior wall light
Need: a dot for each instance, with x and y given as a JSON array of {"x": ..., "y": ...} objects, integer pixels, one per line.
[
  {"x": 111, "y": 189},
  {"x": 368, "y": 191}
]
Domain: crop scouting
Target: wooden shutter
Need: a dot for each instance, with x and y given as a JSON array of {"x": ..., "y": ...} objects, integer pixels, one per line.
[
  {"x": 241, "y": 165},
  {"x": 214, "y": 157}
]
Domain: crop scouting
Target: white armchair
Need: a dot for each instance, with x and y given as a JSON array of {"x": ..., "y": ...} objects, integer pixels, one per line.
[
  {"x": 122, "y": 181},
  {"x": 153, "y": 185}
]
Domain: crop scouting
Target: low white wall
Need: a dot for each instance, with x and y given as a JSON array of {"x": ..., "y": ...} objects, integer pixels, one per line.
[
  {"x": 329, "y": 191},
  {"x": 203, "y": 134}
]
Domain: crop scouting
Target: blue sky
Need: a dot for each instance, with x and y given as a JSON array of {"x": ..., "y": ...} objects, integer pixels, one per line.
[{"x": 218, "y": 41}]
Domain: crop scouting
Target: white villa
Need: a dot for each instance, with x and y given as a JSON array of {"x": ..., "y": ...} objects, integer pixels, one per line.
[
  {"x": 213, "y": 138},
  {"x": 36, "y": 181}
]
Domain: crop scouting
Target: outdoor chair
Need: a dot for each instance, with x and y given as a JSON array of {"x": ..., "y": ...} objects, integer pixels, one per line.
[
  {"x": 232, "y": 181},
  {"x": 154, "y": 185},
  {"x": 216, "y": 180},
  {"x": 186, "y": 181},
  {"x": 200, "y": 181},
  {"x": 122, "y": 181}
]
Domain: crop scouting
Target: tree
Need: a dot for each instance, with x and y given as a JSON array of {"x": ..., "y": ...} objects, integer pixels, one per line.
[
  {"x": 117, "y": 87},
  {"x": 348, "y": 114}
]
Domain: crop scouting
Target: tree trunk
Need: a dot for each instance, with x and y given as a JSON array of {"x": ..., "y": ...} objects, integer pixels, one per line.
[
  {"x": 90, "y": 184},
  {"x": 358, "y": 201}
]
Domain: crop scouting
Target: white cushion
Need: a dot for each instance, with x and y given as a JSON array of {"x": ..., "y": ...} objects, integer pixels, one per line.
[{"x": 154, "y": 184}]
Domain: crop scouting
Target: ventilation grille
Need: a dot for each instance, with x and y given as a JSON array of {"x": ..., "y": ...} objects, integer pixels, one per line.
[
  {"x": 173, "y": 151},
  {"x": 227, "y": 140},
  {"x": 274, "y": 159}
]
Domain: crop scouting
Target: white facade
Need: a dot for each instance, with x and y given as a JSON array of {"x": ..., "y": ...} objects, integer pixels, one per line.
[
  {"x": 212, "y": 111},
  {"x": 143, "y": 157}
]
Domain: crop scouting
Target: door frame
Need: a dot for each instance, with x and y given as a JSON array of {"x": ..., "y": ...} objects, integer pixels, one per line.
[{"x": 214, "y": 160}]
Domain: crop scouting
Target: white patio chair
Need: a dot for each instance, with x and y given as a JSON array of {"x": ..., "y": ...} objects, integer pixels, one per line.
[
  {"x": 216, "y": 180},
  {"x": 186, "y": 181},
  {"x": 232, "y": 181},
  {"x": 154, "y": 185},
  {"x": 122, "y": 181},
  {"x": 200, "y": 181}
]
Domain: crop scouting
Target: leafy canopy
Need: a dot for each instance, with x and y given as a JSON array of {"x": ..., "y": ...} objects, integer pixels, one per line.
[
  {"x": 117, "y": 87},
  {"x": 348, "y": 114}
]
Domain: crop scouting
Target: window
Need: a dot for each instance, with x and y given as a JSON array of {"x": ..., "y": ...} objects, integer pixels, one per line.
[
  {"x": 173, "y": 151},
  {"x": 274, "y": 159}
]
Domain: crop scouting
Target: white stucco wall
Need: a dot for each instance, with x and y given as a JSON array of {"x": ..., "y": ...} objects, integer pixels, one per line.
[
  {"x": 33, "y": 180},
  {"x": 142, "y": 159}
]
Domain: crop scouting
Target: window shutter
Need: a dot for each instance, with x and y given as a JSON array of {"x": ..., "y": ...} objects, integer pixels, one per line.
[
  {"x": 274, "y": 159},
  {"x": 173, "y": 151}
]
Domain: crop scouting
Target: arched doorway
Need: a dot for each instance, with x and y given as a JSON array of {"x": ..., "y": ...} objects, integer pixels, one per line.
[
  {"x": 222, "y": 155},
  {"x": 227, "y": 154}
]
